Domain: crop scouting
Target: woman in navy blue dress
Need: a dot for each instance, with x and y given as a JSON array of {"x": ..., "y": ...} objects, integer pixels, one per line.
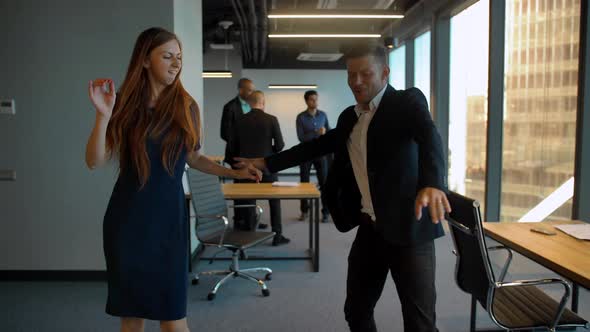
[{"x": 152, "y": 128}]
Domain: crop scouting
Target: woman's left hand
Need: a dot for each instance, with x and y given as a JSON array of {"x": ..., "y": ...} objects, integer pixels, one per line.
[{"x": 249, "y": 172}]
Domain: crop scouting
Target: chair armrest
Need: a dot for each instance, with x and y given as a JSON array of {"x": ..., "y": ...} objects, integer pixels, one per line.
[
  {"x": 533, "y": 282},
  {"x": 225, "y": 224},
  {"x": 506, "y": 264}
]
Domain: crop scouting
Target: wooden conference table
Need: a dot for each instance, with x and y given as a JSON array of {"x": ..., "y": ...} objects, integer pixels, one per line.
[
  {"x": 561, "y": 253},
  {"x": 260, "y": 191},
  {"x": 263, "y": 191}
]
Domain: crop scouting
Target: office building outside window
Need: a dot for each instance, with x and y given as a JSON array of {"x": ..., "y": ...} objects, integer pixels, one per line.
[
  {"x": 541, "y": 82},
  {"x": 468, "y": 88},
  {"x": 422, "y": 64},
  {"x": 397, "y": 66}
]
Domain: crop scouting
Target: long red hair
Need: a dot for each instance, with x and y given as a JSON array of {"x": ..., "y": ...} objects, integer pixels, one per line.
[{"x": 175, "y": 118}]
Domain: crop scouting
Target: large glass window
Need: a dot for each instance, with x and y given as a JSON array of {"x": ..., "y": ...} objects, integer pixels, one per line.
[
  {"x": 422, "y": 64},
  {"x": 397, "y": 66},
  {"x": 541, "y": 68},
  {"x": 468, "y": 101}
]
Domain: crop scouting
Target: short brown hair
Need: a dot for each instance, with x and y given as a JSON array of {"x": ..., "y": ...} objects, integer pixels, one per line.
[{"x": 367, "y": 49}]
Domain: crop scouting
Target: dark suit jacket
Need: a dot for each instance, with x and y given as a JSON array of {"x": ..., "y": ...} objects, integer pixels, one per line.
[
  {"x": 232, "y": 111},
  {"x": 404, "y": 155},
  {"x": 255, "y": 134}
]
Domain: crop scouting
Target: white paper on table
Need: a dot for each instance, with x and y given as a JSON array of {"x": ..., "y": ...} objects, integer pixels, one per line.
[
  {"x": 285, "y": 184},
  {"x": 581, "y": 232}
]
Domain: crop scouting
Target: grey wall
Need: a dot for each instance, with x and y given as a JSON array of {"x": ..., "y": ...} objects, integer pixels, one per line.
[
  {"x": 51, "y": 217},
  {"x": 334, "y": 95},
  {"x": 189, "y": 28}
]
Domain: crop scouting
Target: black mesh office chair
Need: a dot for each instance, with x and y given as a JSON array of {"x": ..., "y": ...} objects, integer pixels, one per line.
[
  {"x": 512, "y": 305},
  {"x": 211, "y": 228}
]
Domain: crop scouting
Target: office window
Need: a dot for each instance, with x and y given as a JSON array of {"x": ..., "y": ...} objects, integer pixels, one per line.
[
  {"x": 397, "y": 66},
  {"x": 422, "y": 64},
  {"x": 468, "y": 101},
  {"x": 538, "y": 157}
]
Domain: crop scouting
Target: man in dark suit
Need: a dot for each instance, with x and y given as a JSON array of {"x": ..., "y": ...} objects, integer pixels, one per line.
[
  {"x": 388, "y": 177},
  {"x": 257, "y": 134},
  {"x": 235, "y": 108},
  {"x": 232, "y": 111}
]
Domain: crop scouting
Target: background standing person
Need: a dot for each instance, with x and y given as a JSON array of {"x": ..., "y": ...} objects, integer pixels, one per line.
[
  {"x": 151, "y": 128},
  {"x": 233, "y": 110},
  {"x": 389, "y": 179},
  {"x": 258, "y": 134},
  {"x": 311, "y": 124}
]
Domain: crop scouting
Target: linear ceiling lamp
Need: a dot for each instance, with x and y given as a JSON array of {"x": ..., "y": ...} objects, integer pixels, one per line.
[
  {"x": 346, "y": 14},
  {"x": 357, "y": 16},
  {"x": 217, "y": 74},
  {"x": 278, "y": 35},
  {"x": 292, "y": 86}
]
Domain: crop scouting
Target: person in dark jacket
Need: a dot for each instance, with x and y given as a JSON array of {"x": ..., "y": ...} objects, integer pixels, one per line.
[
  {"x": 258, "y": 134},
  {"x": 389, "y": 179},
  {"x": 232, "y": 111}
]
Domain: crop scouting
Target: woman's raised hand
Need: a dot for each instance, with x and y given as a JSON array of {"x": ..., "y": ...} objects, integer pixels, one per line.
[{"x": 102, "y": 95}]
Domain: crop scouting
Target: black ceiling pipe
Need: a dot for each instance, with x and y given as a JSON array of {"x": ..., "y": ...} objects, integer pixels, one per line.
[
  {"x": 253, "y": 29},
  {"x": 244, "y": 29},
  {"x": 263, "y": 31}
]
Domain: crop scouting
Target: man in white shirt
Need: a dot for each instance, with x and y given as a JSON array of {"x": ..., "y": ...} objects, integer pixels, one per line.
[{"x": 389, "y": 178}]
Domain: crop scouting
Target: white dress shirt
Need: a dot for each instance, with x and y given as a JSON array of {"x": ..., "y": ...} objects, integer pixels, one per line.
[{"x": 357, "y": 149}]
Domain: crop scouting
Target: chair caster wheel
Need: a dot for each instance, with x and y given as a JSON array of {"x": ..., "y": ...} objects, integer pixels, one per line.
[
  {"x": 268, "y": 276},
  {"x": 195, "y": 281},
  {"x": 265, "y": 292},
  {"x": 211, "y": 296}
]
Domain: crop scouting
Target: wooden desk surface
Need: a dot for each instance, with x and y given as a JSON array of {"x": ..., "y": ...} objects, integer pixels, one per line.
[
  {"x": 267, "y": 191},
  {"x": 561, "y": 253}
]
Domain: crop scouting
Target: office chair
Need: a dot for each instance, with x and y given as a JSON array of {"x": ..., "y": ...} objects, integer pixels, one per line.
[
  {"x": 211, "y": 228},
  {"x": 512, "y": 305}
]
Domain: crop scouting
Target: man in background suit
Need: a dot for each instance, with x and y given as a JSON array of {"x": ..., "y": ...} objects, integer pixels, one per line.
[
  {"x": 232, "y": 111},
  {"x": 389, "y": 178},
  {"x": 257, "y": 134}
]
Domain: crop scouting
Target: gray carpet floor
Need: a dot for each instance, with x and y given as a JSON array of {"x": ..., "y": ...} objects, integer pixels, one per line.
[{"x": 300, "y": 299}]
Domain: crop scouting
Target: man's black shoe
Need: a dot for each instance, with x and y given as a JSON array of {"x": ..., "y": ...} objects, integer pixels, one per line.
[
  {"x": 280, "y": 240},
  {"x": 262, "y": 226}
]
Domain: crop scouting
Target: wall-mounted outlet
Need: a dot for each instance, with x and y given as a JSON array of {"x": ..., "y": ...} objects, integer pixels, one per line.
[{"x": 7, "y": 106}]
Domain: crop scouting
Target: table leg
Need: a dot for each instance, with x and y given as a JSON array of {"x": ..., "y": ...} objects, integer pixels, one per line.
[
  {"x": 310, "y": 210},
  {"x": 316, "y": 251},
  {"x": 575, "y": 294}
]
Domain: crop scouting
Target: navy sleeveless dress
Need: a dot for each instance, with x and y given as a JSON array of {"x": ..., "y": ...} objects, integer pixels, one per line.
[{"x": 145, "y": 243}]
